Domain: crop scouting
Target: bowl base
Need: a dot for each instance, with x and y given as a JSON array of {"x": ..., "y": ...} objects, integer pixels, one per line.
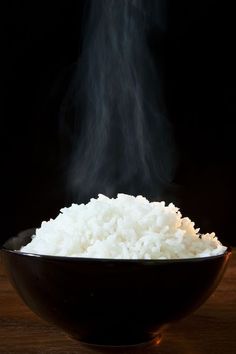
[{"x": 150, "y": 342}]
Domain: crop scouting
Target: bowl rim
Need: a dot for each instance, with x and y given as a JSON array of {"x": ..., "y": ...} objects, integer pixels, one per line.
[{"x": 19, "y": 253}]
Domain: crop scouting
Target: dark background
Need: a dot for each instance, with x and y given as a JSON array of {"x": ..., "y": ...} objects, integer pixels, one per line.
[{"x": 42, "y": 43}]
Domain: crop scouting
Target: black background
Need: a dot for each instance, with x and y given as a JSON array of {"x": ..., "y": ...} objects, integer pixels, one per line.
[{"x": 42, "y": 41}]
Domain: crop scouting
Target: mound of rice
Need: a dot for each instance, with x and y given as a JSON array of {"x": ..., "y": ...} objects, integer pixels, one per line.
[{"x": 126, "y": 227}]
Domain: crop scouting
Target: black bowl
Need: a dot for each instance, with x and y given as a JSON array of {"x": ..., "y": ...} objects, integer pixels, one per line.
[{"x": 110, "y": 302}]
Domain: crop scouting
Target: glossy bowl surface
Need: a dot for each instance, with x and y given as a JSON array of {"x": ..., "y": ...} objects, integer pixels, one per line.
[{"x": 110, "y": 302}]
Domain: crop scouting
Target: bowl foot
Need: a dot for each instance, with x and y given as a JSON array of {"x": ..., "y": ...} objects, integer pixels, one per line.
[{"x": 120, "y": 344}]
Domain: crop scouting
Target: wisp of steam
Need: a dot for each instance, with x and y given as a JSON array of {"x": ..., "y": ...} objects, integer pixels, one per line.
[{"x": 114, "y": 117}]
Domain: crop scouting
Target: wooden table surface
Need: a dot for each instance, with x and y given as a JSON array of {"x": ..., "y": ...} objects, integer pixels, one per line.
[{"x": 210, "y": 330}]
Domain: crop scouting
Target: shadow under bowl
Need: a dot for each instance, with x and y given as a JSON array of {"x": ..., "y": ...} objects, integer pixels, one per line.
[{"x": 110, "y": 301}]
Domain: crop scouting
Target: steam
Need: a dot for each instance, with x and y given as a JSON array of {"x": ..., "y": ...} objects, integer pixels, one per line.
[{"x": 114, "y": 116}]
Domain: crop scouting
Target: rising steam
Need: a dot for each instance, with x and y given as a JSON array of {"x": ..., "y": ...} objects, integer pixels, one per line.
[{"x": 119, "y": 136}]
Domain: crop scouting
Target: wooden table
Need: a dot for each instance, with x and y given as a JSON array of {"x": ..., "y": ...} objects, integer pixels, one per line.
[{"x": 210, "y": 330}]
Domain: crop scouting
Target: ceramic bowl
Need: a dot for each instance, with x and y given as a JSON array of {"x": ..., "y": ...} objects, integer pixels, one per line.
[{"x": 110, "y": 301}]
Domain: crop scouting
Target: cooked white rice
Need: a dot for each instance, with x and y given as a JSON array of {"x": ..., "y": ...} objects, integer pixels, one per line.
[{"x": 126, "y": 227}]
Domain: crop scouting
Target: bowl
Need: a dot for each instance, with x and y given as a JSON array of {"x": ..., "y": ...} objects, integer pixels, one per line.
[{"x": 110, "y": 301}]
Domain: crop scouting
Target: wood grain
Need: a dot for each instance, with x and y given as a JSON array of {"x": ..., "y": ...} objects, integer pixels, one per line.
[{"x": 211, "y": 329}]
